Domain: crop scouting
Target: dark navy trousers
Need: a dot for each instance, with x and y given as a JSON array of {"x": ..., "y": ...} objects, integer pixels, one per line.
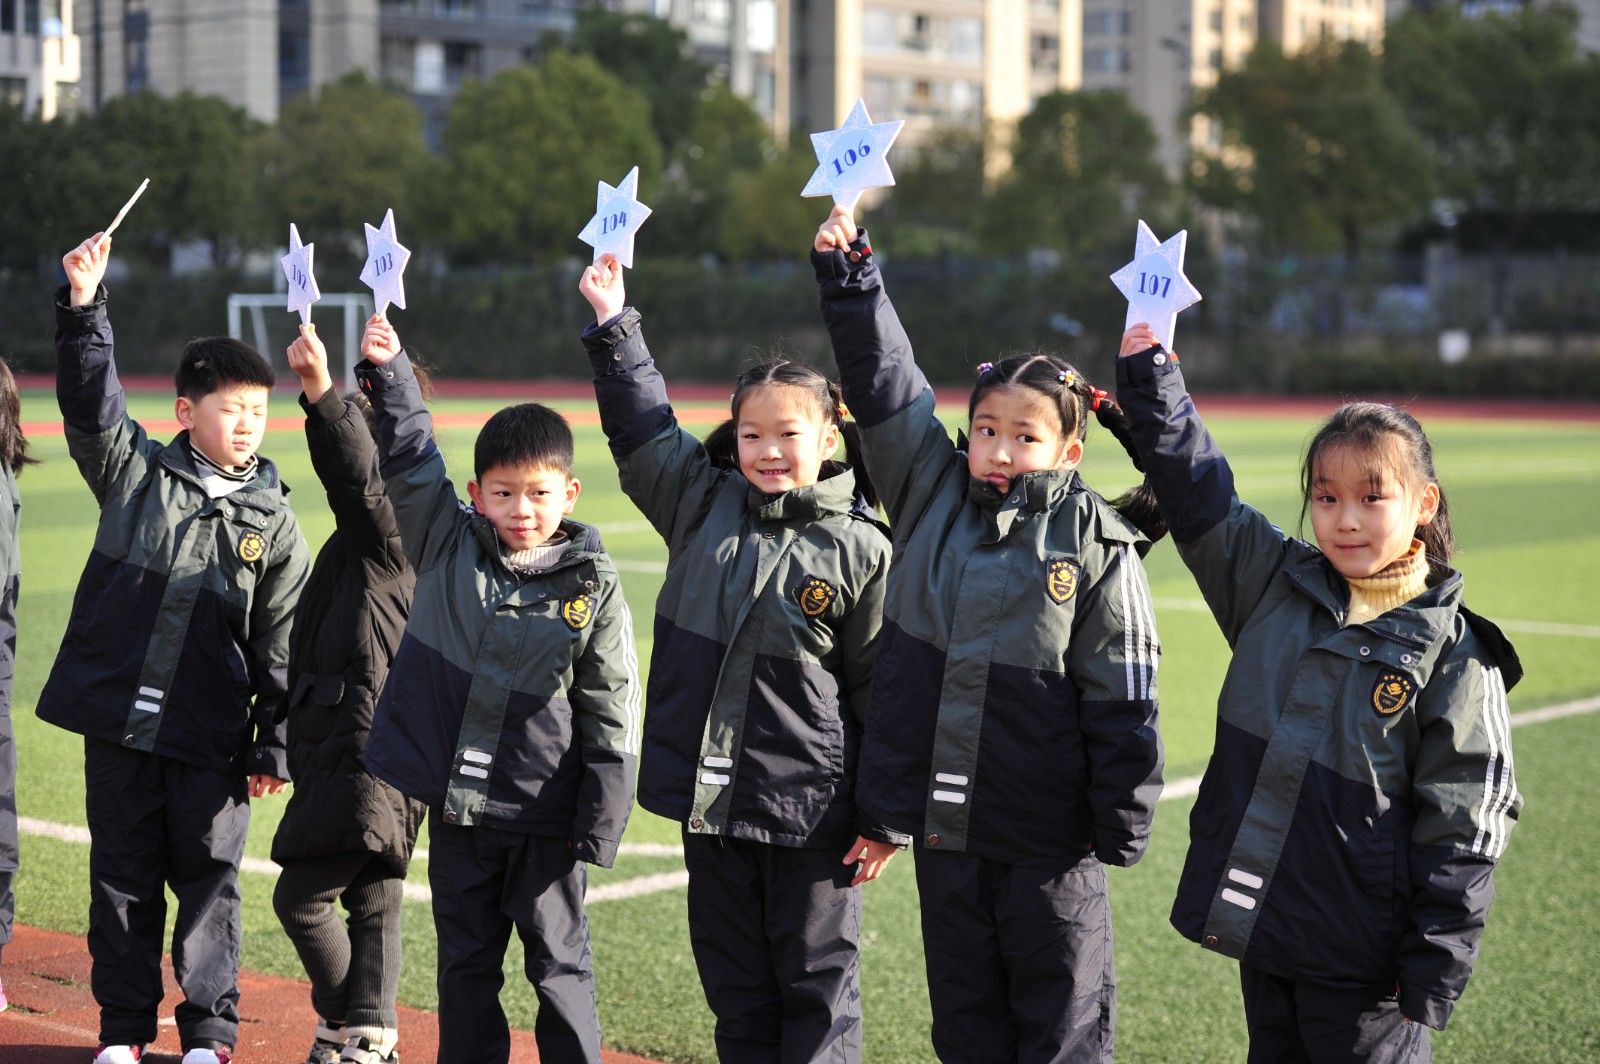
[
  {"x": 153, "y": 822},
  {"x": 486, "y": 881},
  {"x": 1019, "y": 960},
  {"x": 1294, "y": 1022},
  {"x": 776, "y": 932}
]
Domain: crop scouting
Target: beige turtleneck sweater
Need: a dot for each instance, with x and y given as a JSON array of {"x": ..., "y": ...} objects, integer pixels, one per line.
[{"x": 1398, "y": 583}]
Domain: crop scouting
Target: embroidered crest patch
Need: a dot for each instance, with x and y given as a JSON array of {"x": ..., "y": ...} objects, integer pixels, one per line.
[
  {"x": 1060, "y": 579},
  {"x": 252, "y": 545},
  {"x": 578, "y": 611},
  {"x": 815, "y": 595},
  {"x": 1392, "y": 693}
]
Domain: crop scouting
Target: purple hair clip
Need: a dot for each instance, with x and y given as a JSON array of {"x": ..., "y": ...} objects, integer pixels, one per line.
[{"x": 984, "y": 367}]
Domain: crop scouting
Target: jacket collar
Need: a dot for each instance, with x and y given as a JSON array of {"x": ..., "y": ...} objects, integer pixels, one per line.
[
  {"x": 266, "y": 492},
  {"x": 834, "y": 494},
  {"x": 1422, "y": 622},
  {"x": 585, "y": 538},
  {"x": 1038, "y": 492}
]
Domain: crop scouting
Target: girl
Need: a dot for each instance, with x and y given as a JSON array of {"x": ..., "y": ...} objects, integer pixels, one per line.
[
  {"x": 345, "y": 835},
  {"x": 1013, "y": 724},
  {"x": 1343, "y": 843},
  {"x": 13, "y": 456},
  {"x": 765, "y": 637}
]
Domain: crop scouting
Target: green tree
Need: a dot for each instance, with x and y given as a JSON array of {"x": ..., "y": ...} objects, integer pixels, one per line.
[
  {"x": 1083, "y": 167},
  {"x": 43, "y": 200},
  {"x": 937, "y": 203},
  {"x": 340, "y": 158},
  {"x": 1315, "y": 150},
  {"x": 726, "y": 142},
  {"x": 649, "y": 55},
  {"x": 523, "y": 151},
  {"x": 199, "y": 154},
  {"x": 766, "y": 216}
]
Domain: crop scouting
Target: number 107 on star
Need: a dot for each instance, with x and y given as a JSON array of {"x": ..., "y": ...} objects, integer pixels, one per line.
[{"x": 1154, "y": 284}]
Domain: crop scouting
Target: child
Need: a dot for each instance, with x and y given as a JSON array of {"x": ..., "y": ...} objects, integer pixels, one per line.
[
  {"x": 180, "y": 620},
  {"x": 1013, "y": 726},
  {"x": 1343, "y": 843},
  {"x": 345, "y": 835},
  {"x": 13, "y": 456},
  {"x": 512, "y": 708},
  {"x": 766, "y": 633}
]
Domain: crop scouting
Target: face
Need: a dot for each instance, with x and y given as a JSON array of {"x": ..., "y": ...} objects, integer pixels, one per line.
[
  {"x": 227, "y": 424},
  {"x": 1364, "y": 514},
  {"x": 524, "y": 503},
  {"x": 1016, "y": 431},
  {"x": 783, "y": 439}
]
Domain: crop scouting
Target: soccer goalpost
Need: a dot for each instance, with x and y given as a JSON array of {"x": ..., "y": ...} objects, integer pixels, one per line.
[{"x": 357, "y": 308}]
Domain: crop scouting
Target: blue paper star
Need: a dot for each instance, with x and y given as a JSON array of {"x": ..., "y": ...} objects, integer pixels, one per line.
[
  {"x": 385, "y": 270},
  {"x": 852, "y": 158},
  {"x": 618, "y": 214},
  {"x": 1154, "y": 283},
  {"x": 303, "y": 290}
]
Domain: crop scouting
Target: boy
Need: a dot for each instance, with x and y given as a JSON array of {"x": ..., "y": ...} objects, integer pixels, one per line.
[
  {"x": 181, "y": 618},
  {"x": 511, "y": 709}
]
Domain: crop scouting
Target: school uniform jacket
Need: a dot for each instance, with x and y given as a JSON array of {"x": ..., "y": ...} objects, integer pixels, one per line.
[
  {"x": 178, "y": 641},
  {"x": 348, "y": 626},
  {"x": 511, "y": 701},
  {"x": 1361, "y": 786},
  {"x": 1014, "y": 704},
  {"x": 10, "y": 578},
  {"x": 766, "y": 627}
]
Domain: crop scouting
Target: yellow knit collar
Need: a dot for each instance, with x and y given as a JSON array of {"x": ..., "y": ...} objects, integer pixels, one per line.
[{"x": 1396, "y": 584}]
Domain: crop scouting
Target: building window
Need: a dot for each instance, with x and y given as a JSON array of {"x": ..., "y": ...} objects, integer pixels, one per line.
[
  {"x": 1106, "y": 61},
  {"x": 1107, "y": 23},
  {"x": 1045, "y": 53},
  {"x": 30, "y": 17},
  {"x": 710, "y": 12},
  {"x": 886, "y": 31},
  {"x": 427, "y": 70},
  {"x": 761, "y": 25},
  {"x": 954, "y": 101},
  {"x": 8, "y": 16},
  {"x": 13, "y": 92},
  {"x": 68, "y": 99},
  {"x": 462, "y": 60}
]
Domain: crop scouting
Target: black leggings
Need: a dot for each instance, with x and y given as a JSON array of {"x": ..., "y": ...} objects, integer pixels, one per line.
[{"x": 354, "y": 974}]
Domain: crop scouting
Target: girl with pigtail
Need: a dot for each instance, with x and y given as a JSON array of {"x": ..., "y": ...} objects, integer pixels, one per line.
[
  {"x": 1013, "y": 722},
  {"x": 766, "y": 632}
]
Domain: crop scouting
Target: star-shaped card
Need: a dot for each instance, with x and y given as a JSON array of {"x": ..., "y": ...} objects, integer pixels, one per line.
[
  {"x": 852, "y": 158},
  {"x": 303, "y": 290},
  {"x": 385, "y": 270},
  {"x": 1154, "y": 283},
  {"x": 618, "y": 214}
]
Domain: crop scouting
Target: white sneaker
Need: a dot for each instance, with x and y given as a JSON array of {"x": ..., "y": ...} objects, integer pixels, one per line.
[
  {"x": 326, "y": 1044},
  {"x": 118, "y": 1054},
  {"x": 207, "y": 1056},
  {"x": 371, "y": 1045}
]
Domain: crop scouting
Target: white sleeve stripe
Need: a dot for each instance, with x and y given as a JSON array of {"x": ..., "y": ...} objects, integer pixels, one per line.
[
  {"x": 1493, "y": 734},
  {"x": 632, "y": 724},
  {"x": 1508, "y": 777},
  {"x": 1499, "y": 786},
  {"x": 1149, "y": 648},
  {"x": 1127, "y": 623}
]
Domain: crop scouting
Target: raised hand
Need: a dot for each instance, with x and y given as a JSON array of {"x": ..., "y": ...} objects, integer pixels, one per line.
[
  {"x": 309, "y": 360},
  {"x": 1139, "y": 337},
  {"x": 836, "y": 232},
  {"x": 380, "y": 343},
  {"x": 85, "y": 266},
  {"x": 602, "y": 286}
]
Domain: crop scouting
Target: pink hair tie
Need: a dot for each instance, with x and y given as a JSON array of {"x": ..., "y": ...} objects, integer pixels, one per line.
[{"x": 984, "y": 367}]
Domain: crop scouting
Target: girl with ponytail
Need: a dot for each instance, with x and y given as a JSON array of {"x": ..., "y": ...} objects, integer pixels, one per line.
[
  {"x": 1013, "y": 724},
  {"x": 766, "y": 632}
]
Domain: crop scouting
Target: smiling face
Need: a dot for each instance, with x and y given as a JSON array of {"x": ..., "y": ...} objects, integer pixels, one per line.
[
  {"x": 525, "y": 503},
  {"x": 227, "y": 424},
  {"x": 1363, "y": 512},
  {"x": 1017, "y": 430},
  {"x": 783, "y": 438}
]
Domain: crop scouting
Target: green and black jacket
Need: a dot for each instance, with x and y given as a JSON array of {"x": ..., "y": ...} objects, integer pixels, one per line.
[
  {"x": 178, "y": 642},
  {"x": 512, "y": 701},
  {"x": 766, "y": 628},
  {"x": 1361, "y": 787},
  {"x": 1014, "y": 705}
]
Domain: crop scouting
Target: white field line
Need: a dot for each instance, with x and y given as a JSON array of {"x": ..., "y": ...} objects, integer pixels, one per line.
[
  {"x": 639, "y": 886},
  {"x": 1583, "y": 631}
]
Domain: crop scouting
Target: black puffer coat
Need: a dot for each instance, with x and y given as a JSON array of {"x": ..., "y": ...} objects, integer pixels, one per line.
[{"x": 349, "y": 622}]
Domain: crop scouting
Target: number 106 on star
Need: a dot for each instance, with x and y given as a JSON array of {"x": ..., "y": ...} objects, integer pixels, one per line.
[{"x": 849, "y": 157}]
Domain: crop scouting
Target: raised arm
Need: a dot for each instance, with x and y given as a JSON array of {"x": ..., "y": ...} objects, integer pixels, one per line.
[
  {"x": 1112, "y": 660},
  {"x": 907, "y": 450},
  {"x": 663, "y": 469},
  {"x": 605, "y": 702},
  {"x": 425, "y": 502},
  {"x": 1233, "y": 551},
  {"x": 345, "y": 457},
  {"x": 102, "y": 439}
]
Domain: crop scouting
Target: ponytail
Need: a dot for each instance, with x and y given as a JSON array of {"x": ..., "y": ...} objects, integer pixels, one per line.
[{"x": 13, "y": 444}]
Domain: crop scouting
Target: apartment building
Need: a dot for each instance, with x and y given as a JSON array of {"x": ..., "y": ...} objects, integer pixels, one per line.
[
  {"x": 39, "y": 57},
  {"x": 1294, "y": 24}
]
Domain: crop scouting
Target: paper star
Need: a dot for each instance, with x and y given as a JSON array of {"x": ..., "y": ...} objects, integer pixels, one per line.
[
  {"x": 385, "y": 270},
  {"x": 852, "y": 158},
  {"x": 1154, "y": 283},
  {"x": 618, "y": 214},
  {"x": 303, "y": 290}
]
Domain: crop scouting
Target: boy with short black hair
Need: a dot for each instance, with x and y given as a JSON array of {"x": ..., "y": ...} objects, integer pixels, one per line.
[
  {"x": 172, "y": 666},
  {"x": 512, "y": 709}
]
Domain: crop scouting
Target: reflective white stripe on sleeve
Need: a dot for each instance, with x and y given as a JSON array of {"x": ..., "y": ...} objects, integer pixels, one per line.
[
  {"x": 721, "y": 779},
  {"x": 719, "y": 762},
  {"x": 151, "y": 692},
  {"x": 953, "y": 797},
  {"x": 478, "y": 773},
  {"x": 1243, "y": 901},
  {"x": 148, "y": 707},
  {"x": 1245, "y": 878},
  {"x": 477, "y": 757},
  {"x": 950, "y": 777}
]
